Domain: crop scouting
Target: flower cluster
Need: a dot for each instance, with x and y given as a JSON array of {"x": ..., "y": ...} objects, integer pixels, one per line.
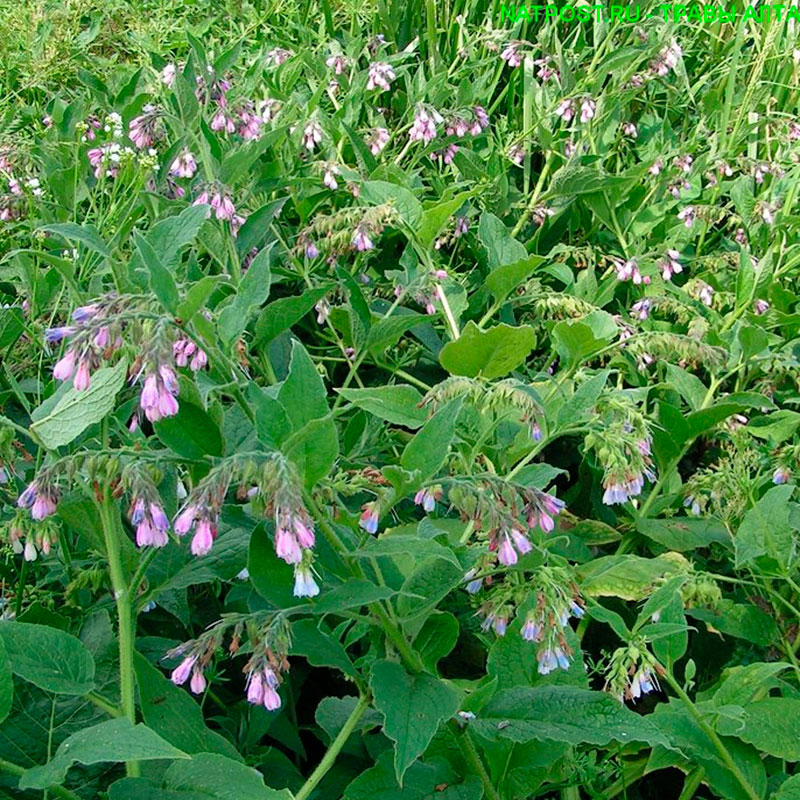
[
  {"x": 621, "y": 441},
  {"x": 504, "y": 513},
  {"x": 632, "y": 672}
]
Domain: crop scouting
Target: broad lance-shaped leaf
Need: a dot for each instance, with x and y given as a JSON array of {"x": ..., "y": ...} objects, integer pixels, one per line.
[
  {"x": 563, "y": 714},
  {"x": 115, "y": 740},
  {"x": 76, "y": 411},
  {"x": 428, "y": 449},
  {"x": 771, "y": 725},
  {"x": 52, "y": 659},
  {"x": 491, "y": 354},
  {"x": 398, "y": 404},
  {"x": 413, "y": 706},
  {"x": 251, "y": 293}
]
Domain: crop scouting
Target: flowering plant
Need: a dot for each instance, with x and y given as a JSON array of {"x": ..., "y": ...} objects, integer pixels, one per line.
[{"x": 400, "y": 417}]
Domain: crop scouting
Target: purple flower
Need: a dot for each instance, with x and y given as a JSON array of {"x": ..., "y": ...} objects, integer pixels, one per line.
[
  {"x": 203, "y": 538},
  {"x": 287, "y": 547},
  {"x": 781, "y": 475},
  {"x": 369, "y": 520},
  {"x": 53, "y": 335},
  {"x": 181, "y": 673},
  {"x": 361, "y": 240},
  {"x": 506, "y": 554}
]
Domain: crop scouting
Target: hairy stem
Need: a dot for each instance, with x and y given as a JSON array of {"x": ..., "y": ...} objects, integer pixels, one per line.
[
  {"x": 712, "y": 736},
  {"x": 333, "y": 751},
  {"x": 470, "y": 753},
  {"x": 111, "y": 533}
]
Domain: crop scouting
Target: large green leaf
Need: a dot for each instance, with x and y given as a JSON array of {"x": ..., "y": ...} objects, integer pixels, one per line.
[
  {"x": 428, "y": 449},
  {"x": 576, "y": 341},
  {"x": 76, "y": 411},
  {"x": 501, "y": 247},
  {"x": 490, "y": 354},
  {"x": 563, "y": 714},
  {"x": 413, "y": 707},
  {"x": 50, "y": 658},
  {"x": 771, "y": 725},
  {"x": 172, "y": 713},
  {"x": 397, "y": 403},
  {"x": 766, "y": 530},
  {"x": 115, "y": 740},
  {"x": 191, "y": 433}
]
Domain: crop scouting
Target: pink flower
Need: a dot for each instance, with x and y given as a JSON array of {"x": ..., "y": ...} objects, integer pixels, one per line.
[
  {"x": 506, "y": 554},
  {"x": 511, "y": 56},
  {"x": 82, "y": 376},
  {"x": 198, "y": 683},
  {"x": 65, "y": 366},
  {"x": 203, "y": 538},
  {"x": 377, "y": 141},
  {"x": 312, "y": 135},
  {"x": 168, "y": 75},
  {"x": 255, "y": 689},
  {"x": 184, "y": 166},
  {"x": 184, "y": 522},
  {"x": 272, "y": 700},
  {"x": 181, "y": 673},
  {"x": 423, "y": 128},
  {"x": 222, "y": 122},
  {"x": 380, "y": 75},
  {"x": 361, "y": 240},
  {"x": 287, "y": 547},
  {"x": 43, "y": 506}
]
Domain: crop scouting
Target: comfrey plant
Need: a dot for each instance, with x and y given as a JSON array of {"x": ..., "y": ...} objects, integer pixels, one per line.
[{"x": 393, "y": 412}]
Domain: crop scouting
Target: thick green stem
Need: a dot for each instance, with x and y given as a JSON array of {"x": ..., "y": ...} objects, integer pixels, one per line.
[
  {"x": 111, "y": 533},
  {"x": 56, "y": 791},
  {"x": 333, "y": 751},
  {"x": 712, "y": 736},
  {"x": 470, "y": 753}
]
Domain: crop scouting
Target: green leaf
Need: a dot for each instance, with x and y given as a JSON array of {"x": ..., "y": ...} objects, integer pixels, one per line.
[
  {"x": 428, "y": 450},
  {"x": 198, "y": 295},
  {"x": 303, "y": 393},
  {"x": 356, "y": 592},
  {"x": 256, "y": 229},
  {"x": 272, "y": 578},
  {"x": 503, "y": 280},
  {"x": 85, "y": 234},
  {"x": 251, "y": 293},
  {"x": 771, "y": 725},
  {"x": 285, "y": 312},
  {"x": 191, "y": 433},
  {"x": 172, "y": 713},
  {"x": 740, "y": 683},
  {"x": 501, "y": 247},
  {"x": 490, "y": 354},
  {"x": 742, "y": 620},
  {"x": 437, "y": 638},
  {"x": 407, "y": 206},
  {"x": 576, "y": 341},
  {"x": 272, "y": 422},
  {"x": 776, "y": 427},
  {"x": 162, "y": 283},
  {"x": 321, "y": 648},
  {"x": 51, "y": 659},
  {"x": 398, "y": 403},
  {"x": 169, "y": 236},
  {"x": 626, "y": 576},
  {"x": 404, "y": 544},
  {"x": 745, "y": 280},
  {"x": 435, "y": 218},
  {"x": 584, "y": 398},
  {"x": 563, "y": 714},
  {"x": 208, "y": 776},
  {"x": 115, "y": 740},
  {"x": 685, "y": 533},
  {"x": 314, "y": 449},
  {"x": 413, "y": 706},
  {"x": 766, "y": 530},
  {"x": 789, "y": 789},
  {"x": 6, "y": 683},
  {"x": 76, "y": 411},
  {"x": 386, "y": 332}
]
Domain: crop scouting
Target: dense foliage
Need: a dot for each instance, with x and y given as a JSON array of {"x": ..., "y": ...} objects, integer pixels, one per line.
[{"x": 397, "y": 412}]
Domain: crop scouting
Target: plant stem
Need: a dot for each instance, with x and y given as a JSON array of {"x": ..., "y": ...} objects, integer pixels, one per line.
[
  {"x": 693, "y": 780},
  {"x": 712, "y": 736},
  {"x": 333, "y": 751},
  {"x": 111, "y": 533},
  {"x": 56, "y": 791},
  {"x": 470, "y": 753}
]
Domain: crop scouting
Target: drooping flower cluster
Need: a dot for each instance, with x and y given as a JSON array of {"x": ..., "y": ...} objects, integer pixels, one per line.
[
  {"x": 41, "y": 495},
  {"x": 348, "y": 230},
  {"x": 621, "y": 441},
  {"x": 380, "y": 76},
  {"x": 504, "y": 513},
  {"x": 146, "y": 510},
  {"x": 27, "y": 539},
  {"x": 632, "y": 672}
]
